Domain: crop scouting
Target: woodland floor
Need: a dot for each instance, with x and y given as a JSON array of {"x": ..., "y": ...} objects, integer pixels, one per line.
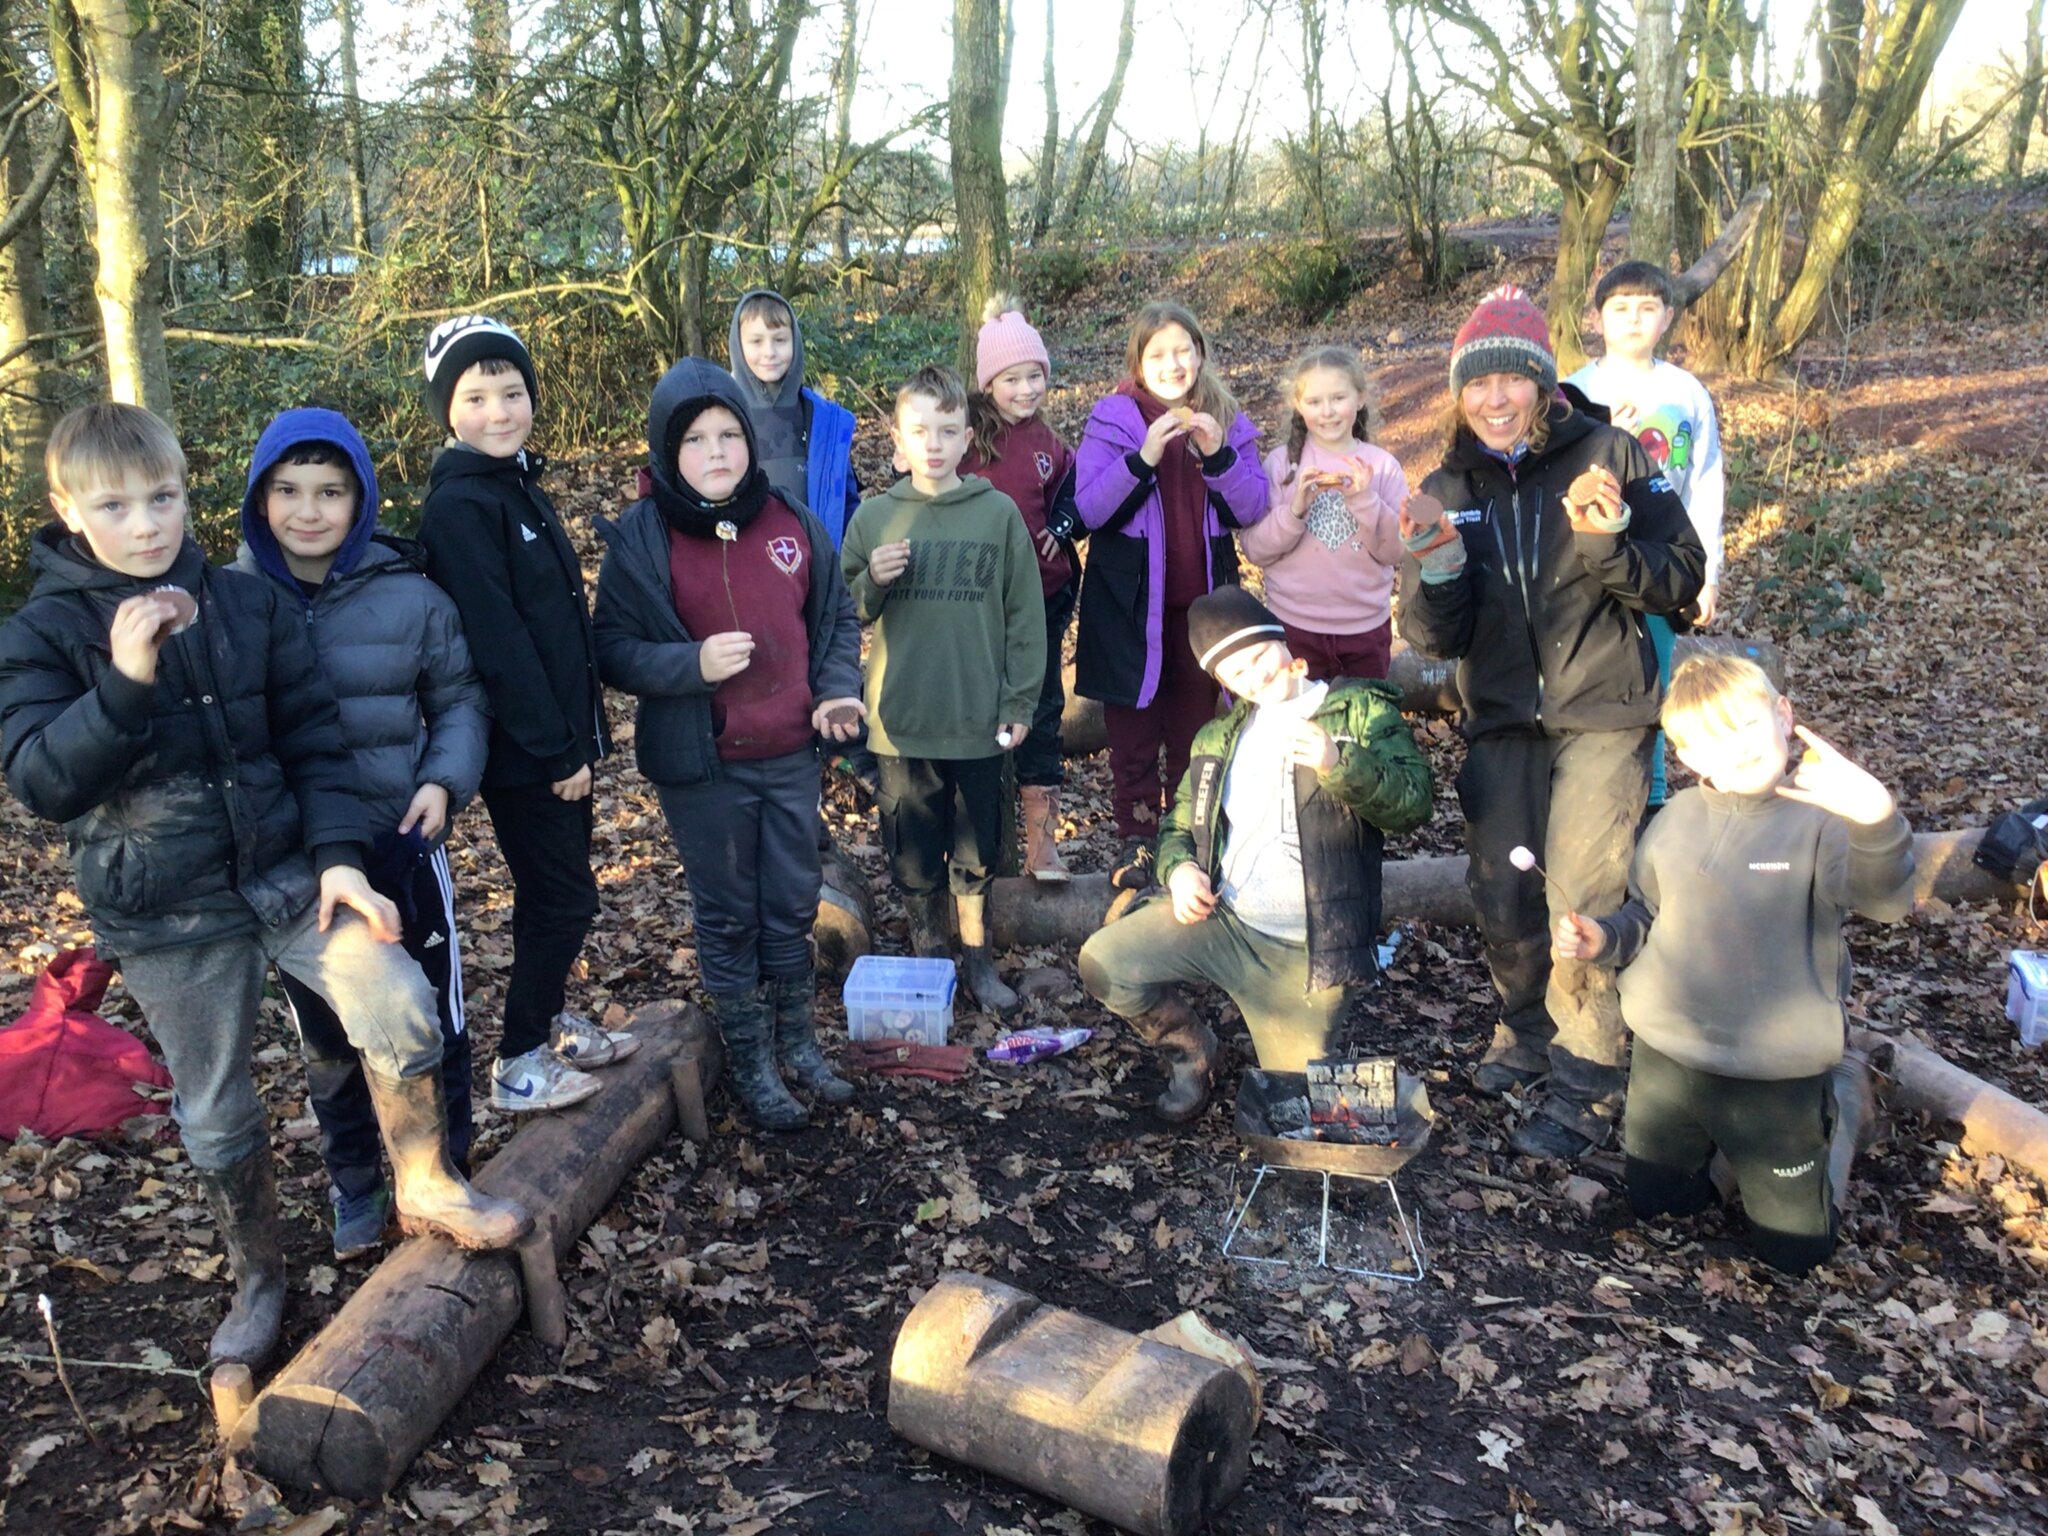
[{"x": 1561, "y": 1369}]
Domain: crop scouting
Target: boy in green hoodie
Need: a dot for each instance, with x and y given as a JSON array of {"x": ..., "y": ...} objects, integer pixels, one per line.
[{"x": 944, "y": 569}]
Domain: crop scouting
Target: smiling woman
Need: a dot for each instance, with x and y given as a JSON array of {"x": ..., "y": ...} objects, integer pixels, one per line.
[{"x": 1554, "y": 536}]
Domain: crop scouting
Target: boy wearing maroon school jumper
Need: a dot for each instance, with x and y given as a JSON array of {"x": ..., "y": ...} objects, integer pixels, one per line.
[{"x": 720, "y": 607}]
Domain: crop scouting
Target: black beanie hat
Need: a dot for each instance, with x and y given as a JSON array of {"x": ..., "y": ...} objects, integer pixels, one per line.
[
  {"x": 1227, "y": 621},
  {"x": 460, "y": 344}
]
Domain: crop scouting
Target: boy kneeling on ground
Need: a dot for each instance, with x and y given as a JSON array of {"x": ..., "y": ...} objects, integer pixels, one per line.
[
  {"x": 174, "y": 718},
  {"x": 1737, "y": 969},
  {"x": 1271, "y": 857}
]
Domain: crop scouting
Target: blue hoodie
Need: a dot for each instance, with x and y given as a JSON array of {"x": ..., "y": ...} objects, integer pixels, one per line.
[{"x": 294, "y": 429}]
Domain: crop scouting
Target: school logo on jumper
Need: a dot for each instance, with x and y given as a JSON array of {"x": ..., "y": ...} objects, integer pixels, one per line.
[
  {"x": 786, "y": 553},
  {"x": 1043, "y": 461}
]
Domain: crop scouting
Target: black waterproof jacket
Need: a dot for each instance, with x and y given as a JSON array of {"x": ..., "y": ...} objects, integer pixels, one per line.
[
  {"x": 196, "y": 807},
  {"x": 494, "y": 544},
  {"x": 1546, "y": 623}
]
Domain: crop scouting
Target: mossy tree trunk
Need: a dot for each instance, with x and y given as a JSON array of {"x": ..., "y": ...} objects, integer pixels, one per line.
[
  {"x": 975, "y": 133},
  {"x": 110, "y": 77}
]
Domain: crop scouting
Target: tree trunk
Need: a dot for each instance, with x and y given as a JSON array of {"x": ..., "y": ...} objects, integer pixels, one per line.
[
  {"x": 975, "y": 133},
  {"x": 1314, "y": 179},
  {"x": 1653, "y": 185},
  {"x": 25, "y": 414},
  {"x": 272, "y": 120},
  {"x": 2019, "y": 133},
  {"x": 1105, "y": 112},
  {"x": 1049, "y": 147},
  {"x": 490, "y": 62},
  {"x": 352, "y": 133},
  {"x": 845, "y": 76},
  {"x": 1588, "y": 205},
  {"x": 1902, "y": 59},
  {"x": 112, "y": 82}
]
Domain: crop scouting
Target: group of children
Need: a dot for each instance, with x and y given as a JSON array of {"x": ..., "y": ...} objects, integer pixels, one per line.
[{"x": 258, "y": 765}]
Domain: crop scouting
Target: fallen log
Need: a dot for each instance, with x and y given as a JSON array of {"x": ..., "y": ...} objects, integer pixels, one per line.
[
  {"x": 846, "y": 913},
  {"x": 1428, "y": 890},
  {"x": 353, "y": 1408},
  {"x": 1427, "y": 686},
  {"x": 1986, "y": 1119}
]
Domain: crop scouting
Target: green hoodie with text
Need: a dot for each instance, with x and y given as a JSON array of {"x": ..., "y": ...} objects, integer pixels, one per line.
[{"x": 959, "y": 647}]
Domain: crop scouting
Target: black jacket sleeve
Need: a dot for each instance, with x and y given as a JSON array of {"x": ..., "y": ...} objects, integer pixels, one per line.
[
  {"x": 834, "y": 627},
  {"x": 67, "y": 744},
  {"x": 1656, "y": 564},
  {"x": 467, "y": 556}
]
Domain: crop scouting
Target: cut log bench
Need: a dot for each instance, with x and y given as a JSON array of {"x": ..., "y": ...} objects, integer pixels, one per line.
[
  {"x": 1153, "y": 1439},
  {"x": 353, "y": 1408}
]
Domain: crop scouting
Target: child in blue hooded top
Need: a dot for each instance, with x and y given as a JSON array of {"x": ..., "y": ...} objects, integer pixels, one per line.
[{"x": 413, "y": 716}]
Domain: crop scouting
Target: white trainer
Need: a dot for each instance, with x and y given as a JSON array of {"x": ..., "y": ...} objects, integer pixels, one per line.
[
  {"x": 539, "y": 1080},
  {"x": 583, "y": 1044}
]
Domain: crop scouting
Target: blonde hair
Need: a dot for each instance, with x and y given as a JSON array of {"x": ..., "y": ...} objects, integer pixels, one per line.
[
  {"x": 1342, "y": 360},
  {"x": 1706, "y": 696},
  {"x": 98, "y": 444},
  {"x": 1210, "y": 394}
]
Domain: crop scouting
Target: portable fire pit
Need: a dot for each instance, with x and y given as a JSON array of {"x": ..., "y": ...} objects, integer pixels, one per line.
[{"x": 1271, "y": 1105}]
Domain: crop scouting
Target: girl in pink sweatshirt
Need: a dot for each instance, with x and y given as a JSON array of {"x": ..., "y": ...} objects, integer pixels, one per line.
[{"x": 1331, "y": 541}]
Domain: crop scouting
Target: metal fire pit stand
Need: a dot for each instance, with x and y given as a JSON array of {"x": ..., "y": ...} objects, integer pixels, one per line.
[{"x": 1328, "y": 1160}]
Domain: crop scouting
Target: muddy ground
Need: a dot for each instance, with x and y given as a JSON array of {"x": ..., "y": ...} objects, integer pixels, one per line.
[{"x": 1561, "y": 1368}]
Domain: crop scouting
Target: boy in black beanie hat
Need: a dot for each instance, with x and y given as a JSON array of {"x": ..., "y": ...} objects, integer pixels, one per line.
[
  {"x": 721, "y": 608},
  {"x": 494, "y": 543},
  {"x": 1270, "y": 857}
]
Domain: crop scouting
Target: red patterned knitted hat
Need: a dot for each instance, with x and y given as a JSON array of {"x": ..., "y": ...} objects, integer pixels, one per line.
[{"x": 1505, "y": 334}]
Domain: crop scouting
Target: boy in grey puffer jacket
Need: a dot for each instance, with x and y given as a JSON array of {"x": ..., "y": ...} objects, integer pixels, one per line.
[
  {"x": 1736, "y": 968},
  {"x": 413, "y": 717}
]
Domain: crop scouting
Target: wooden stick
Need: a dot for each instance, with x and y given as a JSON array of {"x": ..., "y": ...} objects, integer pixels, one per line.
[
  {"x": 547, "y": 1303},
  {"x": 232, "y": 1387},
  {"x": 687, "y": 1082}
]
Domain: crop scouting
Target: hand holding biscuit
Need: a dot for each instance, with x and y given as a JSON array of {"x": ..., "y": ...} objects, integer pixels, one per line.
[
  {"x": 1165, "y": 428},
  {"x": 1594, "y": 492}
]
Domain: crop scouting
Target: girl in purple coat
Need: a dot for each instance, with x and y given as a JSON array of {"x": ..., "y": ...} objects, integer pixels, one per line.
[{"x": 1167, "y": 467}]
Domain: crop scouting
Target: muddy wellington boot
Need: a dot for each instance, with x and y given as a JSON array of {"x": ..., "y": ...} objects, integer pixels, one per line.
[
  {"x": 796, "y": 1037},
  {"x": 432, "y": 1198},
  {"x": 1190, "y": 1050},
  {"x": 746, "y": 1023},
  {"x": 925, "y": 915},
  {"x": 977, "y": 965},
  {"x": 1041, "y": 833},
  {"x": 243, "y": 1198}
]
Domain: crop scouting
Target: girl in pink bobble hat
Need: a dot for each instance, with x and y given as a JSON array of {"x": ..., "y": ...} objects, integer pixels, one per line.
[{"x": 1018, "y": 453}]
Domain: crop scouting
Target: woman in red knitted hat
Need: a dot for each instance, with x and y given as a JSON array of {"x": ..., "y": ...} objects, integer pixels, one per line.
[{"x": 1535, "y": 551}]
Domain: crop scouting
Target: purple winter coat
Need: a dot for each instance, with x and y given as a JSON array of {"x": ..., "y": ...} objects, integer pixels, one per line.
[{"x": 1117, "y": 650}]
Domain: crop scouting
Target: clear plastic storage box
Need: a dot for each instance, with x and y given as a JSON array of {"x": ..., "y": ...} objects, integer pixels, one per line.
[
  {"x": 2026, "y": 994},
  {"x": 893, "y": 997}
]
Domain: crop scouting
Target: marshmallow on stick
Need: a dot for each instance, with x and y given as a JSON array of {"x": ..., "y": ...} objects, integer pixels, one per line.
[{"x": 1525, "y": 861}]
